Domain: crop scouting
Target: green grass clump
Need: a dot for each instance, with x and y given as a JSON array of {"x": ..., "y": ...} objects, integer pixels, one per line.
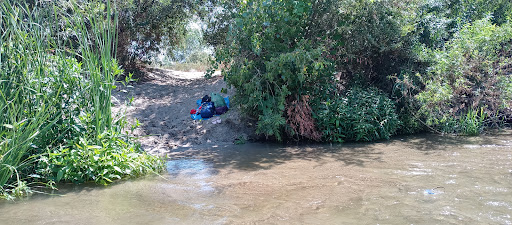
[
  {"x": 57, "y": 71},
  {"x": 359, "y": 115}
]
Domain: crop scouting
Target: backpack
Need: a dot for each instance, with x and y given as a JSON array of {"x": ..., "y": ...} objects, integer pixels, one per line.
[
  {"x": 207, "y": 110},
  {"x": 206, "y": 98},
  {"x": 219, "y": 100},
  {"x": 221, "y": 110}
]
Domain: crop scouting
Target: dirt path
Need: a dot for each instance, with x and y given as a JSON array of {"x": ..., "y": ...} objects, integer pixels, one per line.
[{"x": 162, "y": 104}]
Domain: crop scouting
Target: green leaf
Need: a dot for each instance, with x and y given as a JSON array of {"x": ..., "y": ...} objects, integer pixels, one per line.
[
  {"x": 60, "y": 174},
  {"x": 337, "y": 37},
  {"x": 118, "y": 169}
]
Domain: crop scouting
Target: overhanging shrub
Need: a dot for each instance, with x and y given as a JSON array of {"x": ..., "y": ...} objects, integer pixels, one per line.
[{"x": 273, "y": 64}]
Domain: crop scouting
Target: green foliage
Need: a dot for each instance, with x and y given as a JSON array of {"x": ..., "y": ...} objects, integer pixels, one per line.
[
  {"x": 405, "y": 89},
  {"x": 409, "y": 124},
  {"x": 460, "y": 51},
  {"x": 280, "y": 51},
  {"x": 271, "y": 61},
  {"x": 117, "y": 157},
  {"x": 371, "y": 40},
  {"x": 28, "y": 103},
  {"x": 240, "y": 140},
  {"x": 469, "y": 11},
  {"x": 53, "y": 96},
  {"x": 472, "y": 123},
  {"x": 191, "y": 53},
  {"x": 439, "y": 20},
  {"x": 470, "y": 73},
  {"x": 192, "y": 48},
  {"x": 360, "y": 115},
  {"x": 148, "y": 27}
]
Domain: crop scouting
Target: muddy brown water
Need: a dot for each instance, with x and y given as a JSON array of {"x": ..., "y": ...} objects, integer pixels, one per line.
[{"x": 412, "y": 180}]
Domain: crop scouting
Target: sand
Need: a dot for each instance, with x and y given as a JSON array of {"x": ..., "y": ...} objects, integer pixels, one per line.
[{"x": 162, "y": 104}]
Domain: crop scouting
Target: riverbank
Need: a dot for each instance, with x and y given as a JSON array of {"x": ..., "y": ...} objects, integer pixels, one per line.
[{"x": 162, "y": 102}]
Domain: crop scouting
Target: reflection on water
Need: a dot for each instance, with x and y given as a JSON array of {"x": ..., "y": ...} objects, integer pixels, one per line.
[
  {"x": 415, "y": 180},
  {"x": 191, "y": 168},
  {"x": 197, "y": 170}
]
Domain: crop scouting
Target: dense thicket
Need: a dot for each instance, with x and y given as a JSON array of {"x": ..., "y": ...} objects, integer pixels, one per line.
[{"x": 363, "y": 69}]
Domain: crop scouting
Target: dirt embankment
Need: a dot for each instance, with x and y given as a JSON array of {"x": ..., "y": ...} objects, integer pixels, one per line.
[{"x": 162, "y": 104}]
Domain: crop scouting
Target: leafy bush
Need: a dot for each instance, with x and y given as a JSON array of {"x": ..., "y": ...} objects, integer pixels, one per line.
[
  {"x": 117, "y": 157},
  {"x": 272, "y": 64},
  {"x": 459, "y": 50},
  {"x": 360, "y": 115},
  {"x": 469, "y": 74},
  {"x": 282, "y": 55},
  {"x": 439, "y": 20},
  {"x": 372, "y": 40}
]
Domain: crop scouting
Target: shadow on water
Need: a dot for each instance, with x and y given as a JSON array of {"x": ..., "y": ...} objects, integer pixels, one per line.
[
  {"x": 201, "y": 164},
  {"x": 428, "y": 143},
  {"x": 257, "y": 156},
  {"x": 432, "y": 143}
]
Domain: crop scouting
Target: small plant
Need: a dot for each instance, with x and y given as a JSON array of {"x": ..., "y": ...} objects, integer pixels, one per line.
[
  {"x": 472, "y": 123},
  {"x": 240, "y": 140}
]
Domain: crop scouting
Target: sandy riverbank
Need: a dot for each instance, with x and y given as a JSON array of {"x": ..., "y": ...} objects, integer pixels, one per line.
[{"x": 162, "y": 104}]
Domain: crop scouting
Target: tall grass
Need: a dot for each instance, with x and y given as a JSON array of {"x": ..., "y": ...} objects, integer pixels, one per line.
[
  {"x": 97, "y": 46},
  {"x": 57, "y": 71},
  {"x": 23, "y": 111}
]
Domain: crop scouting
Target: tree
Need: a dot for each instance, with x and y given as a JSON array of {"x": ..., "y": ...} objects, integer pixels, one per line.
[{"x": 145, "y": 26}]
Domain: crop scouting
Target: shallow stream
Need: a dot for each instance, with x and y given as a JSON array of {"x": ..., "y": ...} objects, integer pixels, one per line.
[{"x": 411, "y": 180}]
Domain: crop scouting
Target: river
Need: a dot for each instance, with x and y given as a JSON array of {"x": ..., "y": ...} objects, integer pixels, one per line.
[{"x": 424, "y": 179}]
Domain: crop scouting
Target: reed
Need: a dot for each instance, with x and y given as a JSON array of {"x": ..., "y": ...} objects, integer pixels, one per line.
[{"x": 24, "y": 111}]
